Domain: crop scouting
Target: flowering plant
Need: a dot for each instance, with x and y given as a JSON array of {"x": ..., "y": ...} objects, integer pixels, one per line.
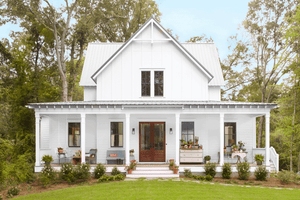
[{"x": 241, "y": 145}]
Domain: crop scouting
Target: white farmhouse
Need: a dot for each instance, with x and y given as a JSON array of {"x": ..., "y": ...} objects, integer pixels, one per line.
[{"x": 148, "y": 94}]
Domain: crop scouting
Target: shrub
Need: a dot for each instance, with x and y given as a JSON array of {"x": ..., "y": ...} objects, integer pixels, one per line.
[
  {"x": 259, "y": 157},
  {"x": 103, "y": 178},
  {"x": 187, "y": 173},
  {"x": 207, "y": 158},
  {"x": 47, "y": 175},
  {"x": 119, "y": 177},
  {"x": 47, "y": 158},
  {"x": 243, "y": 170},
  {"x": 22, "y": 169},
  {"x": 285, "y": 176},
  {"x": 210, "y": 169},
  {"x": 13, "y": 191},
  {"x": 226, "y": 171},
  {"x": 66, "y": 172},
  {"x": 261, "y": 173},
  {"x": 115, "y": 171},
  {"x": 200, "y": 178},
  {"x": 106, "y": 178},
  {"x": 208, "y": 178},
  {"x": 82, "y": 171},
  {"x": 99, "y": 171},
  {"x": 1, "y": 197}
]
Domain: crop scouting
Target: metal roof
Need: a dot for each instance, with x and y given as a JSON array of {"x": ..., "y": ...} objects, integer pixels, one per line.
[
  {"x": 98, "y": 53},
  {"x": 152, "y": 102}
]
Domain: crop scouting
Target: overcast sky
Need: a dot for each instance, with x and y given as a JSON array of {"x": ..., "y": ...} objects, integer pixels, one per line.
[{"x": 218, "y": 19}]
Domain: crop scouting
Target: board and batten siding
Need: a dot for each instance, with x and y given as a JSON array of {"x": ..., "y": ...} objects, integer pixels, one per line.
[{"x": 121, "y": 79}]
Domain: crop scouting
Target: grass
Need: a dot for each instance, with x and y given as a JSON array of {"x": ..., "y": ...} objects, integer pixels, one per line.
[{"x": 164, "y": 190}]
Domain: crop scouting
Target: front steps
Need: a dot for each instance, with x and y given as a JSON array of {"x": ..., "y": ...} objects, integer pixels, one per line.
[{"x": 152, "y": 171}]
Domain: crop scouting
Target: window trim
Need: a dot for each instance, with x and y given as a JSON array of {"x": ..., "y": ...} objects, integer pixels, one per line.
[
  {"x": 235, "y": 129},
  {"x": 152, "y": 85},
  {"x": 74, "y": 122},
  {"x": 109, "y": 133}
]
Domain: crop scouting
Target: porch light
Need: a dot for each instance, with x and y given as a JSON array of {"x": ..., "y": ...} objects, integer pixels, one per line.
[
  {"x": 133, "y": 131},
  {"x": 171, "y": 131}
]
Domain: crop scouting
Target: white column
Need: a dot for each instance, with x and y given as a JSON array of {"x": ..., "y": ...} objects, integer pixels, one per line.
[
  {"x": 267, "y": 144},
  {"x": 37, "y": 139},
  {"x": 177, "y": 133},
  {"x": 127, "y": 138},
  {"x": 221, "y": 139},
  {"x": 82, "y": 127}
]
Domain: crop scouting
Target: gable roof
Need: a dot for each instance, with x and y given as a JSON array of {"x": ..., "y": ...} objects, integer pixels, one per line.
[{"x": 152, "y": 20}]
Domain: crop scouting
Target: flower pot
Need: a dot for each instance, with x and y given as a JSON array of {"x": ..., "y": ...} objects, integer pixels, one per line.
[
  {"x": 60, "y": 151},
  {"x": 130, "y": 171},
  {"x": 175, "y": 170},
  {"x": 259, "y": 162}
]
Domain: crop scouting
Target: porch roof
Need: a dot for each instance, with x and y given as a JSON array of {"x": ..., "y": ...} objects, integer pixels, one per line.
[{"x": 153, "y": 103}]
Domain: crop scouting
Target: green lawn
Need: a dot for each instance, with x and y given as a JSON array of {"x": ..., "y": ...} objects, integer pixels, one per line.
[{"x": 165, "y": 190}]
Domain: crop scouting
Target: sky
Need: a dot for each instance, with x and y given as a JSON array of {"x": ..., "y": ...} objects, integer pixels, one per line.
[{"x": 218, "y": 19}]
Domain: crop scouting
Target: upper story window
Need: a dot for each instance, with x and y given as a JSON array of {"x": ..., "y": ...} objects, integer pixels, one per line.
[
  {"x": 74, "y": 134},
  {"x": 159, "y": 83},
  {"x": 152, "y": 86},
  {"x": 146, "y": 84}
]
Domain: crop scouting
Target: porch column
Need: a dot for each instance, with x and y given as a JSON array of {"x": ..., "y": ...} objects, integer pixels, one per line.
[
  {"x": 127, "y": 138},
  {"x": 267, "y": 144},
  {"x": 221, "y": 139},
  {"x": 177, "y": 131},
  {"x": 82, "y": 137},
  {"x": 37, "y": 139}
]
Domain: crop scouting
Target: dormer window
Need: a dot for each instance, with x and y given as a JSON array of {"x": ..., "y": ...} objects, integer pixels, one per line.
[{"x": 152, "y": 87}]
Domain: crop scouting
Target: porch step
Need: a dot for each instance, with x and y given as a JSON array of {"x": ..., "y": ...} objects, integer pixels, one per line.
[{"x": 152, "y": 172}]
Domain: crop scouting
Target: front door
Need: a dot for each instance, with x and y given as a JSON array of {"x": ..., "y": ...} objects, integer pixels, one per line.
[{"x": 152, "y": 142}]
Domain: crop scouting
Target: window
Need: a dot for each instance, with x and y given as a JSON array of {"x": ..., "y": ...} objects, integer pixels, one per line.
[
  {"x": 146, "y": 83},
  {"x": 230, "y": 134},
  {"x": 187, "y": 131},
  {"x": 74, "y": 134},
  {"x": 159, "y": 83},
  {"x": 116, "y": 131}
]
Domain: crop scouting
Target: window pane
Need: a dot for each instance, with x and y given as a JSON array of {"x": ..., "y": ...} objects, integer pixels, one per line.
[
  {"x": 229, "y": 134},
  {"x": 158, "y": 82},
  {"x": 145, "y": 137},
  {"x": 116, "y": 131},
  {"x": 187, "y": 131},
  {"x": 74, "y": 134},
  {"x": 146, "y": 83}
]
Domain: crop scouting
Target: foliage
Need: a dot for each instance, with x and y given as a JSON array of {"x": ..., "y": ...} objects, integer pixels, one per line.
[
  {"x": 115, "y": 171},
  {"x": 13, "y": 191},
  {"x": 261, "y": 173},
  {"x": 67, "y": 172},
  {"x": 226, "y": 171},
  {"x": 22, "y": 169},
  {"x": 82, "y": 171},
  {"x": 259, "y": 157},
  {"x": 104, "y": 178},
  {"x": 99, "y": 170},
  {"x": 171, "y": 163},
  {"x": 47, "y": 158},
  {"x": 47, "y": 175},
  {"x": 207, "y": 158},
  {"x": 210, "y": 169},
  {"x": 208, "y": 177},
  {"x": 285, "y": 176},
  {"x": 200, "y": 178},
  {"x": 187, "y": 173},
  {"x": 243, "y": 170}
]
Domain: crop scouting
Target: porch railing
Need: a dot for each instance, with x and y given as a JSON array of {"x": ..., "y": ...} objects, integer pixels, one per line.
[{"x": 274, "y": 157}]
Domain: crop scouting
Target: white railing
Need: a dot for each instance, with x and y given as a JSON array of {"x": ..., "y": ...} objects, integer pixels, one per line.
[{"x": 274, "y": 157}]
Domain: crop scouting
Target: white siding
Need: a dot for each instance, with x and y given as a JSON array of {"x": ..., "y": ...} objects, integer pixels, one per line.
[
  {"x": 214, "y": 93},
  {"x": 121, "y": 79},
  {"x": 90, "y": 93},
  {"x": 44, "y": 133}
]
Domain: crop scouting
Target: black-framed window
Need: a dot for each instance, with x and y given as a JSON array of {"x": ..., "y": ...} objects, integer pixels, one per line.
[
  {"x": 74, "y": 134},
  {"x": 146, "y": 83},
  {"x": 187, "y": 131},
  {"x": 230, "y": 133},
  {"x": 159, "y": 83},
  {"x": 116, "y": 134}
]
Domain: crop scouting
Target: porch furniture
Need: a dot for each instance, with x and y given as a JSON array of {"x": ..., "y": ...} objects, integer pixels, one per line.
[
  {"x": 76, "y": 159},
  {"x": 240, "y": 155},
  {"x": 59, "y": 156},
  {"x": 191, "y": 156},
  {"x": 91, "y": 156},
  {"x": 115, "y": 157}
]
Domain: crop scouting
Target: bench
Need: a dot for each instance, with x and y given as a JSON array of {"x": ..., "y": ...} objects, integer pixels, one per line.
[{"x": 115, "y": 157}]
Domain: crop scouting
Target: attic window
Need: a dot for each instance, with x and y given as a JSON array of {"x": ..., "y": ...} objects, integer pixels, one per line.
[
  {"x": 159, "y": 83},
  {"x": 146, "y": 83}
]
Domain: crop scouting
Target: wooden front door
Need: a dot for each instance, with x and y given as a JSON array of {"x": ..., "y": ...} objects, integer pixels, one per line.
[{"x": 152, "y": 142}]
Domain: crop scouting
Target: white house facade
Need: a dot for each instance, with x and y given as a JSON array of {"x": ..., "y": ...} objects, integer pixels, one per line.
[{"x": 146, "y": 95}]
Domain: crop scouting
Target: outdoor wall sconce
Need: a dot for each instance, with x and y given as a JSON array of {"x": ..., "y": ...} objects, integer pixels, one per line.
[
  {"x": 171, "y": 131},
  {"x": 133, "y": 131}
]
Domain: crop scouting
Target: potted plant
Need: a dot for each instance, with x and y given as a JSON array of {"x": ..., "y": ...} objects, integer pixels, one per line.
[
  {"x": 234, "y": 147},
  {"x": 131, "y": 151},
  {"x": 175, "y": 169},
  {"x": 182, "y": 141},
  {"x": 60, "y": 150},
  {"x": 47, "y": 159},
  {"x": 196, "y": 141},
  {"x": 190, "y": 142},
  {"x": 200, "y": 146},
  {"x": 171, "y": 165},
  {"x": 241, "y": 145},
  {"x": 207, "y": 159},
  {"x": 185, "y": 145},
  {"x": 259, "y": 158}
]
